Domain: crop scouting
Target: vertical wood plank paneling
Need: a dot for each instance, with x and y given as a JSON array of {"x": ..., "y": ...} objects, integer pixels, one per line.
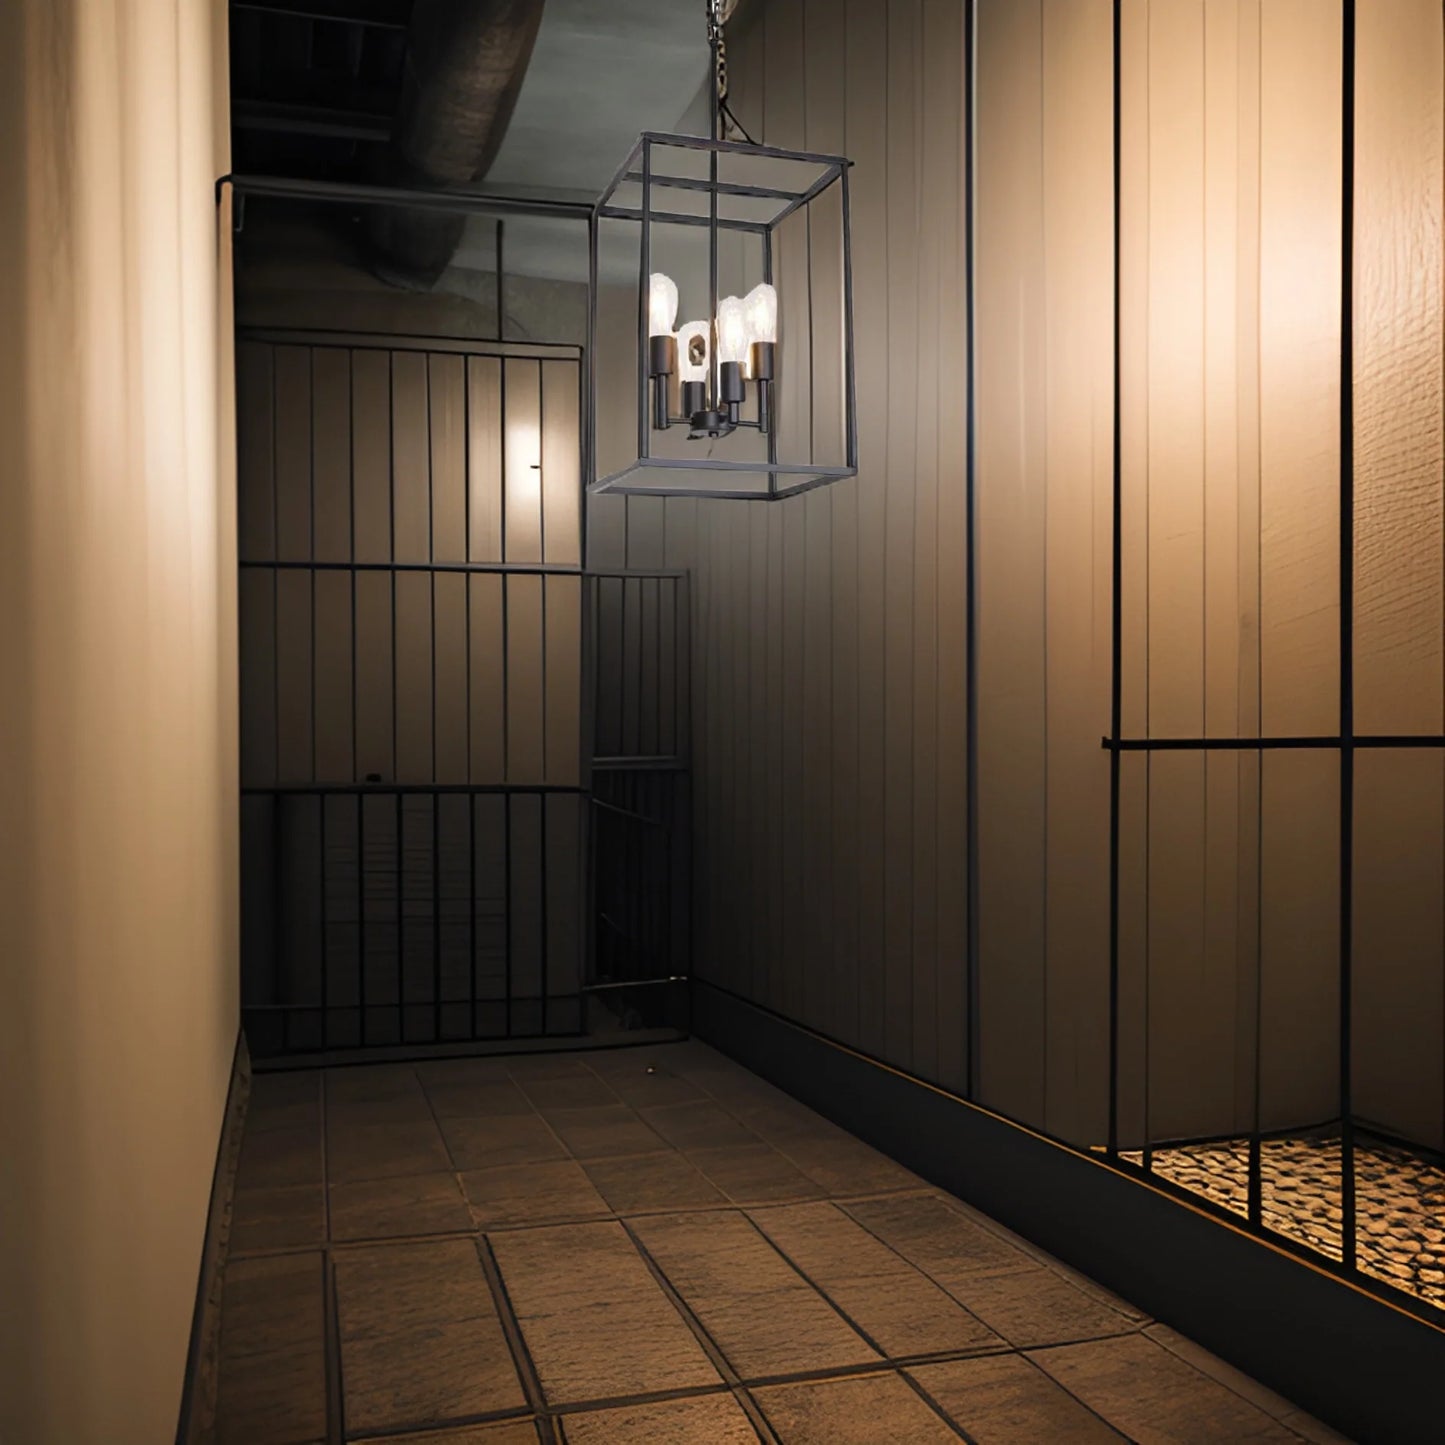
[
  {"x": 1248, "y": 574},
  {"x": 375, "y": 736},
  {"x": 331, "y": 451},
  {"x": 451, "y": 683},
  {"x": 1299, "y": 977},
  {"x": 522, "y": 459},
  {"x": 900, "y": 560},
  {"x": 414, "y": 674},
  {"x": 1299, "y": 364},
  {"x": 292, "y": 449},
  {"x": 1227, "y": 138},
  {"x": 833, "y": 631},
  {"x": 561, "y": 462},
  {"x": 1011, "y": 481},
  {"x": 334, "y": 740},
  {"x": 295, "y": 659},
  {"x": 257, "y": 634},
  {"x": 488, "y": 682},
  {"x": 1399, "y": 454},
  {"x": 944, "y": 90},
  {"x": 371, "y": 454},
  {"x": 563, "y": 650},
  {"x": 933, "y": 196},
  {"x": 1078, "y": 238},
  {"x": 1398, "y": 1046},
  {"x": 484, "y": 458},
  {"x": 526, "y": 680},
  {"x": 867, "y": 141},
  {"x": 1178, "y": 988},
  {"x": 785, "y": 75},
  {"x": 255, "y": 437},
  {"x": 1399, "y": 941},
  {"x": 410, "y": 458},
  {"x": 446, "y": 407}
]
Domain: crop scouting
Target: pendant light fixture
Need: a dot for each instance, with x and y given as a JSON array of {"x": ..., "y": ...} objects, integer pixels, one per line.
[{"x": 754, "y": 396}]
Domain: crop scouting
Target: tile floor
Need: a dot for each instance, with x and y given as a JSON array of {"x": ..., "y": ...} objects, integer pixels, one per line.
[{"x": 653, "y": 1245}]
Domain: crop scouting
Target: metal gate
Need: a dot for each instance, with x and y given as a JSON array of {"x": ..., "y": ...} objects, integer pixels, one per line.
[{"x": 414, "y": 803}]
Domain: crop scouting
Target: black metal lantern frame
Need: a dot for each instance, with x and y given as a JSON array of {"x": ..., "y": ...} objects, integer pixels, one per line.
[{"x": 720, "y": 412}]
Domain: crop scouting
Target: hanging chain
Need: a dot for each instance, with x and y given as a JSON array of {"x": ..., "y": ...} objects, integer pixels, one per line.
[{"x": 717, "y": 41}]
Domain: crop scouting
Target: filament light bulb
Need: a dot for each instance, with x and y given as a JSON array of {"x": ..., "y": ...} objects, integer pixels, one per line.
[
  {"x": 733, "y": 338},
  {"x": 692, "y": 350},
  {"x": 661, "y": 304},
  {"x": 760, "y": 308}
]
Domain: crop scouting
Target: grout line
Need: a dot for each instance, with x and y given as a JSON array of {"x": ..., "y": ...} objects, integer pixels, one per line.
[
  {"x": 331, "y": 1315},
  {"x": 710, "y": 1348},
  {"x": 522, "y": 1359}
]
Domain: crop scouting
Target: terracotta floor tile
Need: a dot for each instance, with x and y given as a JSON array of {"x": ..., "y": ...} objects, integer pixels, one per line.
[
  {"x": 483, "y": 1143},
  {"x": 702, "y": 1419},
  {"x": 279, "y": 1157},
  {"x": 272, "y": 1385},
  {"x": 864, "y": 1410},
  {"x": 651, "y": 1181},
  {"x": 421, "y": 1343},
  {"x": 754, "y": 1174},
  {"x": 1006, "y": 1400},
  {"x": 1153, "y": 1397},
  {"x": 380, "y": 1151},
  {"x": 764, "y": 1317},
  {"x": 897, "y": 1306},
  {"x": 521, "y": 1194},
  {"x": 596, "y": 1322},
  {"x": 272, "y": 1219},
  {"x": 398, "y": 1205},
  {"x": 700, "y": 1124},
  {"x": 604, "y": 1133}
]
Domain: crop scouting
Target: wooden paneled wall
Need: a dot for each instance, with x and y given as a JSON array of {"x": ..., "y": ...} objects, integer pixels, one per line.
[{"x": 829, "y": 631}]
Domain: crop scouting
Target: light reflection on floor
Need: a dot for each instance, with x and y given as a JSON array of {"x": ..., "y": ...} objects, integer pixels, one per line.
[{"x": 1399, "y": 1200}]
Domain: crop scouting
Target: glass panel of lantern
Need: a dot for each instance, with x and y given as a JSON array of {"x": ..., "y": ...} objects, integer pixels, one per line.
[{"x": 721, "y": 329}]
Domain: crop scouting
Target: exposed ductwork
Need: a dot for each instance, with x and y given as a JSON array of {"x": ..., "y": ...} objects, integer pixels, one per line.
[{"x": 466, "y": 60}]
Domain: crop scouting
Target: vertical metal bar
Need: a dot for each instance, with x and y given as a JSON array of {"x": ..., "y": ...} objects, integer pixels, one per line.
[
  {"x": 400, "y": 884},
  {"x": 472, "y": 908},
  {"x": 507, "y": 901},
  {"x": 1347, "y": 627},
  {"x": 714, "y": 365},
  {"x": 1116, "y": 610},
  {"x": 588, "y": 379},
  {"x": 542, "y": 805},
  {"x": 436, "y": 915},
  {"x": 361, "y": 917},
  {"x": 773, "y": 425},
  {"x": 325, "y": 940},
  {"x": 850, "y": 395},
  {"x": 278, "y": 937},
  {"x": 501, "y": 291},
  {"x": 971, "y": 882},
  {"x": 644, "y": 273}
]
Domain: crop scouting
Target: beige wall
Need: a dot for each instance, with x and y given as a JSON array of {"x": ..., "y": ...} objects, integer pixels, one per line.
[{"x": 117, "y": 704}]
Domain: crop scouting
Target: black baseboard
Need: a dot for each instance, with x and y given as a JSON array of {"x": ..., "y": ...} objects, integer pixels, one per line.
[
  {"x": 1353, "y": 1360},
  {"x": 197, "y": 1424}
]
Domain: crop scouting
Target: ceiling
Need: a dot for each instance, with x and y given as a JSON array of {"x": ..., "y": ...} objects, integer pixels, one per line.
[{"x": 315, "y": 84}]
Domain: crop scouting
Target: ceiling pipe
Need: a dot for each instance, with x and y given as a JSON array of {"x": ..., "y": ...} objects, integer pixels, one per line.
[{"x": 466, "y": 60}]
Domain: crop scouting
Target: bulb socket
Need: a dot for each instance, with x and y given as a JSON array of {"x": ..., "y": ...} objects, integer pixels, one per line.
[
  {"x": 762, "y": 360},
  {"x": 694, "y": 397},
  {"x": 661, "y": 355},
  {"x": 730, "y": 383}
]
